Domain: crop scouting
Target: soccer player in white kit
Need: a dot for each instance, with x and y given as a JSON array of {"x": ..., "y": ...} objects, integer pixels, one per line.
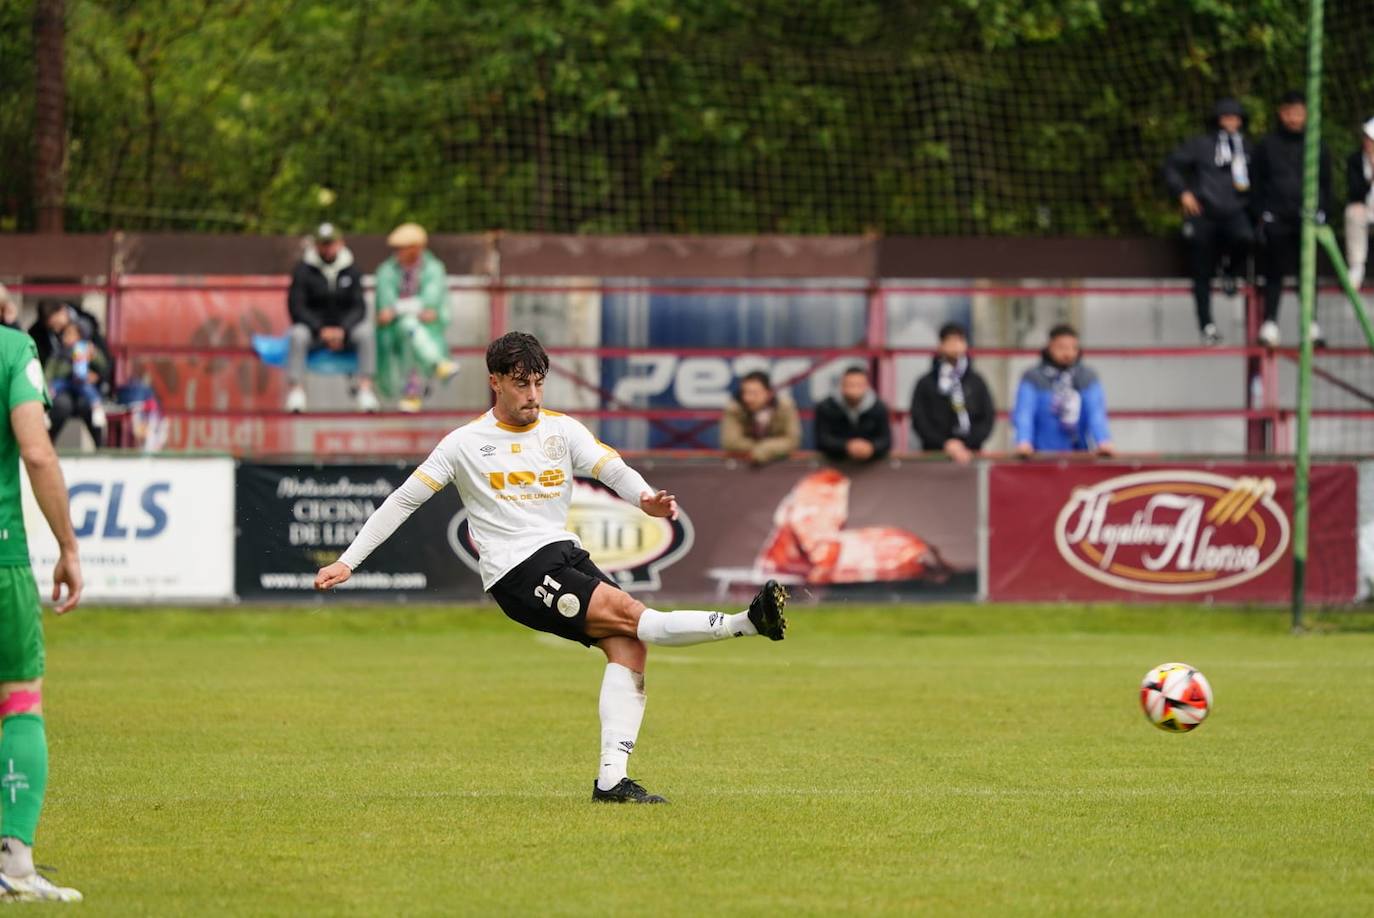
[{"x": 514, "y": 469}]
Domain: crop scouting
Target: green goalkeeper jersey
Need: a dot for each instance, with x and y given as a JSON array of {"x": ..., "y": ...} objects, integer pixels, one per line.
[{"x": 21, "y": 380}]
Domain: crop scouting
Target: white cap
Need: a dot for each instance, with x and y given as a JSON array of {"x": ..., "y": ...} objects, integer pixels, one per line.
[
  {"x": 406, "y": 235},
  {"x": 1369, "y": 129}
]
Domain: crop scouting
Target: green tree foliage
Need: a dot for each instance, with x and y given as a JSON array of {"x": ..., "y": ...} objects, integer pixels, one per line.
[{"x": 838, "y": 116}]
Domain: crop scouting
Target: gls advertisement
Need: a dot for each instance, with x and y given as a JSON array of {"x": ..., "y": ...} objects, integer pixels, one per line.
[{"x": 149, "y": 529}]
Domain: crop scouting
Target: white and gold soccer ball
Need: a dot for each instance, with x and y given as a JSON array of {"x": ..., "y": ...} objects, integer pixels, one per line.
[{"x": 1175, "y": 697}]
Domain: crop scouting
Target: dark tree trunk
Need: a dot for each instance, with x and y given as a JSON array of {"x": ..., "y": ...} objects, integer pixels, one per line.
[{"x": 50, "y": 127}]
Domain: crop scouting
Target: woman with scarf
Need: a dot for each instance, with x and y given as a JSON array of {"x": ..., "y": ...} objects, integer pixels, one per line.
[
  {"x": 1060, "y": 406},
  {"x": 951, "y": 407}
]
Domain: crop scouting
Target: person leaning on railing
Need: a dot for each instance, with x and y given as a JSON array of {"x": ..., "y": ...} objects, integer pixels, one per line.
[
  {"x": 1060, "y": 406},
  {"x": 853, "y": 424},
  {"x": 951, "y": 407},
  {"x": 761, "y": 423}
]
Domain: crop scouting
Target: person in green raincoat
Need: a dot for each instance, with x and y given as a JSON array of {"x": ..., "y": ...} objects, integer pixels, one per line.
[{"x": 412, "y": 316}]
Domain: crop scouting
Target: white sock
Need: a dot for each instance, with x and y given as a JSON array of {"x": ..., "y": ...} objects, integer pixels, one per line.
[
  {"x": 622, "y": 711},
  {"x": 684, "y": 627},
  {"x": 16, "y": 858}
]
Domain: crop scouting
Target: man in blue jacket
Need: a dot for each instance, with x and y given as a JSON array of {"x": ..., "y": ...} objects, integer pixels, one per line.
[{"x": 1060, "y": 406}]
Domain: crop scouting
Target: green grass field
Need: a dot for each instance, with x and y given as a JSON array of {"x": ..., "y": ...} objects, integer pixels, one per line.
[{"x": 948, "y": 759}]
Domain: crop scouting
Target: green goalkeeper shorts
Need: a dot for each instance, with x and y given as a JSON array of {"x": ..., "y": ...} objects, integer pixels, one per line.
[{"x": 21, "y": 625}]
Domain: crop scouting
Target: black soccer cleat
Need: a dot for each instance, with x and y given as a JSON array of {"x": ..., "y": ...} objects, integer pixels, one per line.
[
  {"x": 627, "y": 791},
  {"x": 765, "y": 612}
]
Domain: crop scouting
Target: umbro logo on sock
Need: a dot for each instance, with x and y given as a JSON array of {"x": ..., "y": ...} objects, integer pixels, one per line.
[
  {"x": 628, "y": 746},
  {"x": 715, "y": 617}
]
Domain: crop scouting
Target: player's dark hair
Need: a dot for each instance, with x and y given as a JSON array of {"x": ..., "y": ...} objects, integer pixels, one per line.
[
  {"x": 517, "y": 354},
  {"x": 757, "y": 376},
  {"x": 1062, "y": 329},
  {"x": 856, "y": 369},
  {"x": 953, "y": 329}
]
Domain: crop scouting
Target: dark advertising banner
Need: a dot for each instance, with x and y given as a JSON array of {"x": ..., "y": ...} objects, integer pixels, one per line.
[
  {"x": 293, "y": 520},
  {"x": 1189, "y": 532},
  {"x": 899, "y": 530},
  {"x": 894, "y": 530}
]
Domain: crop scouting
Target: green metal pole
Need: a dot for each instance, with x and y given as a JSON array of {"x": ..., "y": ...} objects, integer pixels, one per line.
[
  {"x": 1308, "y": 289},
  {"x": 1327, "y": 238}
]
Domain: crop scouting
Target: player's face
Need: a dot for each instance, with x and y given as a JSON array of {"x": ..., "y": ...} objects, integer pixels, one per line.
[
  {"x": 518, "y": 398},
  {"x": 1229, "y": 123}
]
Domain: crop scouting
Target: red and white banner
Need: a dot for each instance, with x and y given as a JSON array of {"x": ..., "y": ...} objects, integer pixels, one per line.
[{"x": 1183, "y": 531}]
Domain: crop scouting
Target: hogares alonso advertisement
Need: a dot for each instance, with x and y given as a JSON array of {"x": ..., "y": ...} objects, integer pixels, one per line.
[{"x": 1160, "y": 532}]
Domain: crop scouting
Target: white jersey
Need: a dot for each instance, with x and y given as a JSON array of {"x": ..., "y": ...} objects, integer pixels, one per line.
[{"x": 517, "y": 482}]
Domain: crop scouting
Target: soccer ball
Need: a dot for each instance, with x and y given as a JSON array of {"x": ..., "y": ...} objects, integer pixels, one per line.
[{"x": 1175, "y": 697}]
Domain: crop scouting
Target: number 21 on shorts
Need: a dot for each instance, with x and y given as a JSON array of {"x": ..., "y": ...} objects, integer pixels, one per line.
[{"x": 553, "y": 586}]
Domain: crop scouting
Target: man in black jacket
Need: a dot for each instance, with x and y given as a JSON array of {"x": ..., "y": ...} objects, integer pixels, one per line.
[
  {"x": 1209, "y": 174},
  {"x": 1359, "y": 204},
  {"x": 1277, "y": 200},
  {"x": 328, "y": 310},
  {"x": 951, "y": 407},
  {"x": 855, "y": 424}
]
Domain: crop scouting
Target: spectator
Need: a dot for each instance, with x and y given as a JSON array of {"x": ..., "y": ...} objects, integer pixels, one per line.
[
  {"x": 9, "y": 309},
  {"x": 759, "y": 422},
  {"x": 1359, "y": 208},
  {"x": 76, "y": 365},
  {"x": 53, "y": 317},
  {"x": 1060, "y": 405},
  {"x": 328, "y": 310},
  {"x": 1277, "y": 200},
  {"x": 855, "y": 424},
  {"x": 74, "y": 373},
  {"x": 1210, "y": 175},
  {"x": 412, "y": 317},
  {"x": 951, "y": 407}
]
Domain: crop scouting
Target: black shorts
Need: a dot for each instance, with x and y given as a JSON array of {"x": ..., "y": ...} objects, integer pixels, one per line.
[{"x": 551, "y": 591}]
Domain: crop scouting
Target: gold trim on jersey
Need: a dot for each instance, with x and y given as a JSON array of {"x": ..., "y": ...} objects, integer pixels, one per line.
[
  {"x": 552, "y": 414},
  {"x": 513, "y": 429},
  {"x": 610, "y": 454},
  {"x": 434, "y": 485}
]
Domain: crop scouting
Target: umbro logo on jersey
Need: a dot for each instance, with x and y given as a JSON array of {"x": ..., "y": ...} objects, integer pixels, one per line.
[{"x": 487, "y": 450}]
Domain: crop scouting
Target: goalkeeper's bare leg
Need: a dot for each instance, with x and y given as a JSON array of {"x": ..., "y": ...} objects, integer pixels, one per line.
[{"x": 622, "y": 627}]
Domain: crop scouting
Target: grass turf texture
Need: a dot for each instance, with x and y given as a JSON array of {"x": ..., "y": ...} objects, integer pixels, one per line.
[{"x": 944, "y": 758}]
